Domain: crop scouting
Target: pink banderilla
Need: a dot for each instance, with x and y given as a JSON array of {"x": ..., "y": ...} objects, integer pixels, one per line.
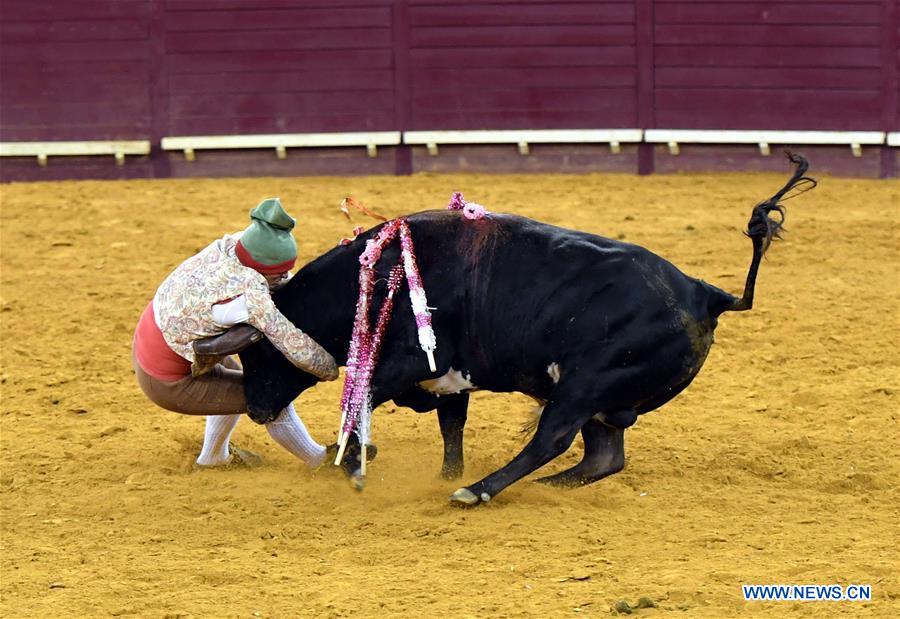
[{"x": 365, "y": 344}]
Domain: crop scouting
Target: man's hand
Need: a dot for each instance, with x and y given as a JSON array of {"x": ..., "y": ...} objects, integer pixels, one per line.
[
  {"x": 332, "y": 373},
  {"x": 320, "y": 363}
]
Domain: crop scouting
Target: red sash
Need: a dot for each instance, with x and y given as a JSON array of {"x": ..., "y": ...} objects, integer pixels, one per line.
[{"x": 153, "y": 353}]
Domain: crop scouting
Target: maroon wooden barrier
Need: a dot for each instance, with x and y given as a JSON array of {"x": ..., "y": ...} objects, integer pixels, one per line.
[
  {"x": 509, "y": 65},
  {"x": 747, "y": 65},
  {"x": 146, "y": 69},
  {"x": 74, "y": 71},
  {"x": 315, "y": 66},
  {"x": 890, "y": 72}
]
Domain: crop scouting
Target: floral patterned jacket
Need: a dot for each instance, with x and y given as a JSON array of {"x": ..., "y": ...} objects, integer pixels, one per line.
[{"x": 183, "y": 307}]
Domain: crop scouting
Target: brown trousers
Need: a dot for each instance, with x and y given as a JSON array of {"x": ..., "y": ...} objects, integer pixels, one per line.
[{"x": 219, "y": 392}]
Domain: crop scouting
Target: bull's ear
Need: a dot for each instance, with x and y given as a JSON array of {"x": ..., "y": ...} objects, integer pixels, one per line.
[{"x": 271, "y": 382}]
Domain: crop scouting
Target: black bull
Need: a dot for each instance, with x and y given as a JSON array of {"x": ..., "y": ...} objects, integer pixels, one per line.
[{"x": 599, "y": 330}]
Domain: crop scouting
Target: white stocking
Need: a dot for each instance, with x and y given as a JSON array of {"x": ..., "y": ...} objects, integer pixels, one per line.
[
  {"x": 215, "y": 439},
  {"x": 289, "y": 432}
]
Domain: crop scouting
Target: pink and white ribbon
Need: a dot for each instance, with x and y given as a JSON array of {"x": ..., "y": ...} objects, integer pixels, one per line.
[
  {"x": 365, "y": 343},
  {"x": 417, "y": 296}
]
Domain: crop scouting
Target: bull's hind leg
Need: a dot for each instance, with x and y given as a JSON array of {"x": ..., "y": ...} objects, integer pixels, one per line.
[
  {"x": 560, "y": 422},
  {"x": 604, "y": 455}
]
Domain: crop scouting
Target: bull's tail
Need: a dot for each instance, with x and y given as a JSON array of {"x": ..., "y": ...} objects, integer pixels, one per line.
[
  {"x": 530, "y": 426},
  {"x": 763, "y": 227}
]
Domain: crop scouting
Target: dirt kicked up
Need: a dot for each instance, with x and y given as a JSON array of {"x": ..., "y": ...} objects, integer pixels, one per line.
[{"x": 779, "y": 464}]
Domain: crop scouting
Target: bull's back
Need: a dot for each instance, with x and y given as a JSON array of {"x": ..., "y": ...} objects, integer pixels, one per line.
[
  {"x": 543, "y": 277},
  {"x": 538, "y": 296}
]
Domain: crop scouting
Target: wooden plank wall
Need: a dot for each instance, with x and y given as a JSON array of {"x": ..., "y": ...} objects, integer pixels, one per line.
[
  {"x": 145, "y": 69},
  {"x": 890, "y": 47},
  {"x": 508, "y": 64},
  {"x": 890, "y": 53},
  {"x": 270, "y": 66},
  {"x": 74, "y": 70},
  {"x": 798, "y": 64}
]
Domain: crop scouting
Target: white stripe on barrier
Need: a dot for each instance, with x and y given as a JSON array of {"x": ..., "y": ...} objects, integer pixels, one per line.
[
  {"x": 516, "y": 136},
  {"x": 280, "y": 142},
  {"x": 117, "y": 148},
  {"x": 523, "y": 137},
  {"x": 704, "y": 136},
  {"x": 763, "y": 138}
]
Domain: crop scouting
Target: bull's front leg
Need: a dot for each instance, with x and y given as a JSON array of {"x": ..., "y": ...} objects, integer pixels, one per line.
[{"x": 452, "y": 412}]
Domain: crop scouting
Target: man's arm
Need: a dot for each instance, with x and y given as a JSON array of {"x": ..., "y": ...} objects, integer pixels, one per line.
[{"x": 300, "y": 349}]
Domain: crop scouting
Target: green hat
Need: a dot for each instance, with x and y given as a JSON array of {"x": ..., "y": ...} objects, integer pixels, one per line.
[{"x": 267, "y": 244}]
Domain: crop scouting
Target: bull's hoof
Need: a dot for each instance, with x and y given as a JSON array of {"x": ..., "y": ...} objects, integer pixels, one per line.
[
  {"x": 357, "y": 480},
  {"x": 464, "y": 498}
]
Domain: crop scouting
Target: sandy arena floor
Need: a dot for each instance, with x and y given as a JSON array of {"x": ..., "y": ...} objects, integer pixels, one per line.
[{"x": 778, "y": 465}]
